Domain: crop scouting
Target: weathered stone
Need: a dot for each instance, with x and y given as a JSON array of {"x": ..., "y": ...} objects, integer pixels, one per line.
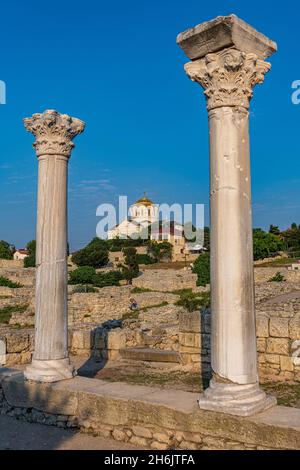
[
  {"x": 279, "y": 327},
  {"x": 223, "y": 32},
  {"x": 142, "y": 432},
  {"x": 278, "y": 346},
  {"x": 262, "y": 326},
  {"x": 294, "y": 328},
  {"x": 286, "y": 363},
  {"x": 119, "y": 435},
  {"x": 261, "y": 345},
  {"x": 273, "y": 358}
]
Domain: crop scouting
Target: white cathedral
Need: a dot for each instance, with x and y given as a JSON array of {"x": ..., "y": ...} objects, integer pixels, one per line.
[{"x": 142, "y": 214}]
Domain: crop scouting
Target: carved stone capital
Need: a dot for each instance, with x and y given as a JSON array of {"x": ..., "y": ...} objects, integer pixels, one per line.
[
  {"x": 54, "y": 132},
  {"x": 228, "y": 77}
]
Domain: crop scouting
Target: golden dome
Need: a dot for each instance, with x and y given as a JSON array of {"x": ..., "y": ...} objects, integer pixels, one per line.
[{"x": 144, "y": 201}]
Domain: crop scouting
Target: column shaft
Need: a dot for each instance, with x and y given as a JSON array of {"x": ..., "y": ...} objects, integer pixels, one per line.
[
  {"x": 51, "y": 259},
  {"x": 232, "y": 295}
]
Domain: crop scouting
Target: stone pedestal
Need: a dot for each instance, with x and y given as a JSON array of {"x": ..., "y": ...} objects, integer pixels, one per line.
[
  {"x": 228, "y": 61},
  {"x": 54, "y": 133}
]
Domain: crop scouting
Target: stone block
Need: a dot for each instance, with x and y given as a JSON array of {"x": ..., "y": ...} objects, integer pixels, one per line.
[
  {"x": 116, "y": 339},
  {"x": 221, "y": 33},
  {"x": 279, "y": 327},
  {"x": 286, "y": 363},
  {"x": 278, "y": 346},
  {"x": 190, "y": 322},
  {"x": 294, "y": 328},
  {"x": 262, "y": 326},
  {"x": 273, "y": 358},
  {"x": 142, "y": 432},
  {"x": 2, "y": 353},
  {"x": 17, "y": 342},
  {"x": 81, "y": 339},
  {"x": 261, "y": 345}
]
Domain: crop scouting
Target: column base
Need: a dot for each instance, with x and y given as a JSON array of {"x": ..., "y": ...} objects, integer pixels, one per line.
[
  {"x": 50, "y": 371},
  {"x": 235, "y": 399}
]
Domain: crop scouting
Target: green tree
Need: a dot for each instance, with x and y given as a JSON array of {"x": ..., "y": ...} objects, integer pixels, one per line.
[
  {"x": 160, "y": 250},
  {"x": 130, "y": 268},
  {"x": 95, "y": 254},
  {"x": 207, "y": 238},
  {"x": 274, "y": 229},
  {"x": 6, "y": 250},
  {"x": 265, "y": 244},
  {"x": 291, "y": 238},
  {"x": 30, "y": 260},
  {"x": 82, "y": 275},
  {"x": 202, "y": 269}
]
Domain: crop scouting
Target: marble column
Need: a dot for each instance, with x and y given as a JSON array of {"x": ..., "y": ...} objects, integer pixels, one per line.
[
  {"x": 54, "y": 133},
  {"x": 228, "y": 60}
]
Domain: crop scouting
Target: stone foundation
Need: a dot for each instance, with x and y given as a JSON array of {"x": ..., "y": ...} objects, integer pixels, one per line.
[{"x": 145, "y": 416}]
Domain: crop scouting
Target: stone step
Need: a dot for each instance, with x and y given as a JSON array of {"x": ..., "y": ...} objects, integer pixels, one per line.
[{"x": 149, "y": 354}]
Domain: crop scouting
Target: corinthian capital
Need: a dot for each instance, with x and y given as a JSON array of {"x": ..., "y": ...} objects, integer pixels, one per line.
[
  {"x": 228, "y": 77},
  {"x": 54, "y": 132}
]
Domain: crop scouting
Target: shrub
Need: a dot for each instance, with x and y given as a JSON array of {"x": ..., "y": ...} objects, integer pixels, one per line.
[
  {"x": 112, "y": 278},
  {"x": 82, "y": 275},
  {"x": 194, "y": 301},
  {"x": 5, "y": 282},
  {"x": 84, "y": 289},
  {"x": 6, "y": 312},
  {"x": 130, "y": 269},
  {"x": 6, "y": 250},
  {"x": 278, "y": 277},
  {"x": 202, "y": 269},
  {"x": 95, "y": 254},
  {"x": 85, "y": 275},
  {"x": 145, "y": 259}
]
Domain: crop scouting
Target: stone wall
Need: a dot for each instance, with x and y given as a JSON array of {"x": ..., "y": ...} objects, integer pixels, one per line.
[
  {"x": 264, "y": 274},
  {"x": 111, "y": 303},
  {"x": 11, "y": 263},
  {"x": 166, "y": 280},
  {"x": 25, "y": 276},
  {"x": 277, "y": 333}
]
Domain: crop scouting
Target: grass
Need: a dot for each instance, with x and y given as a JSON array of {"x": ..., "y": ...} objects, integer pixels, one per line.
[
  {"x": 5, "y": 282},
  {"x": 140, "y": 290},
  {"x": 278, "y": 262},
  {"x": 135, "y": 313},
  {"x": 145, "y": 375},
  {"x": 286, "y": 394},
  {"x": 6, "y": 312}
]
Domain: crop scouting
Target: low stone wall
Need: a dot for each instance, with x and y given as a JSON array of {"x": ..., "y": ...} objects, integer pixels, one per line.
[
  {"x": 278, "y": 351},
  {"x": 19, "y": 345},
  {"x": 144, "y": 416},
  {"x": 111, "y": 303},
  {"x": 166, "y": 280},
  {"x": 265, "y": 274},
  {"x": 25, "y": 276},
  {"x": 11, "y": 263}
]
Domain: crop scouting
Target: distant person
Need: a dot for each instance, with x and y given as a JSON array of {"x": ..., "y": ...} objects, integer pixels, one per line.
[{"x": 133, "y": 304}]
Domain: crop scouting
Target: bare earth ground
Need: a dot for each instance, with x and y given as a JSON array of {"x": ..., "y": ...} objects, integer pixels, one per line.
[
  {"x": 169, "y": 376},
  {"x": 19, "y": 435}
]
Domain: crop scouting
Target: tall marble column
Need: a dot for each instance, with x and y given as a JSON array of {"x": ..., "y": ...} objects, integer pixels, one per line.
[
  {"x": 228, "y": 61},
  {"x": 54, "y": 133}
]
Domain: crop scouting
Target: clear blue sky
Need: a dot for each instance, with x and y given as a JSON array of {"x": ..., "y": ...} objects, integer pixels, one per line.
[{"x": 116, "y": 65}]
